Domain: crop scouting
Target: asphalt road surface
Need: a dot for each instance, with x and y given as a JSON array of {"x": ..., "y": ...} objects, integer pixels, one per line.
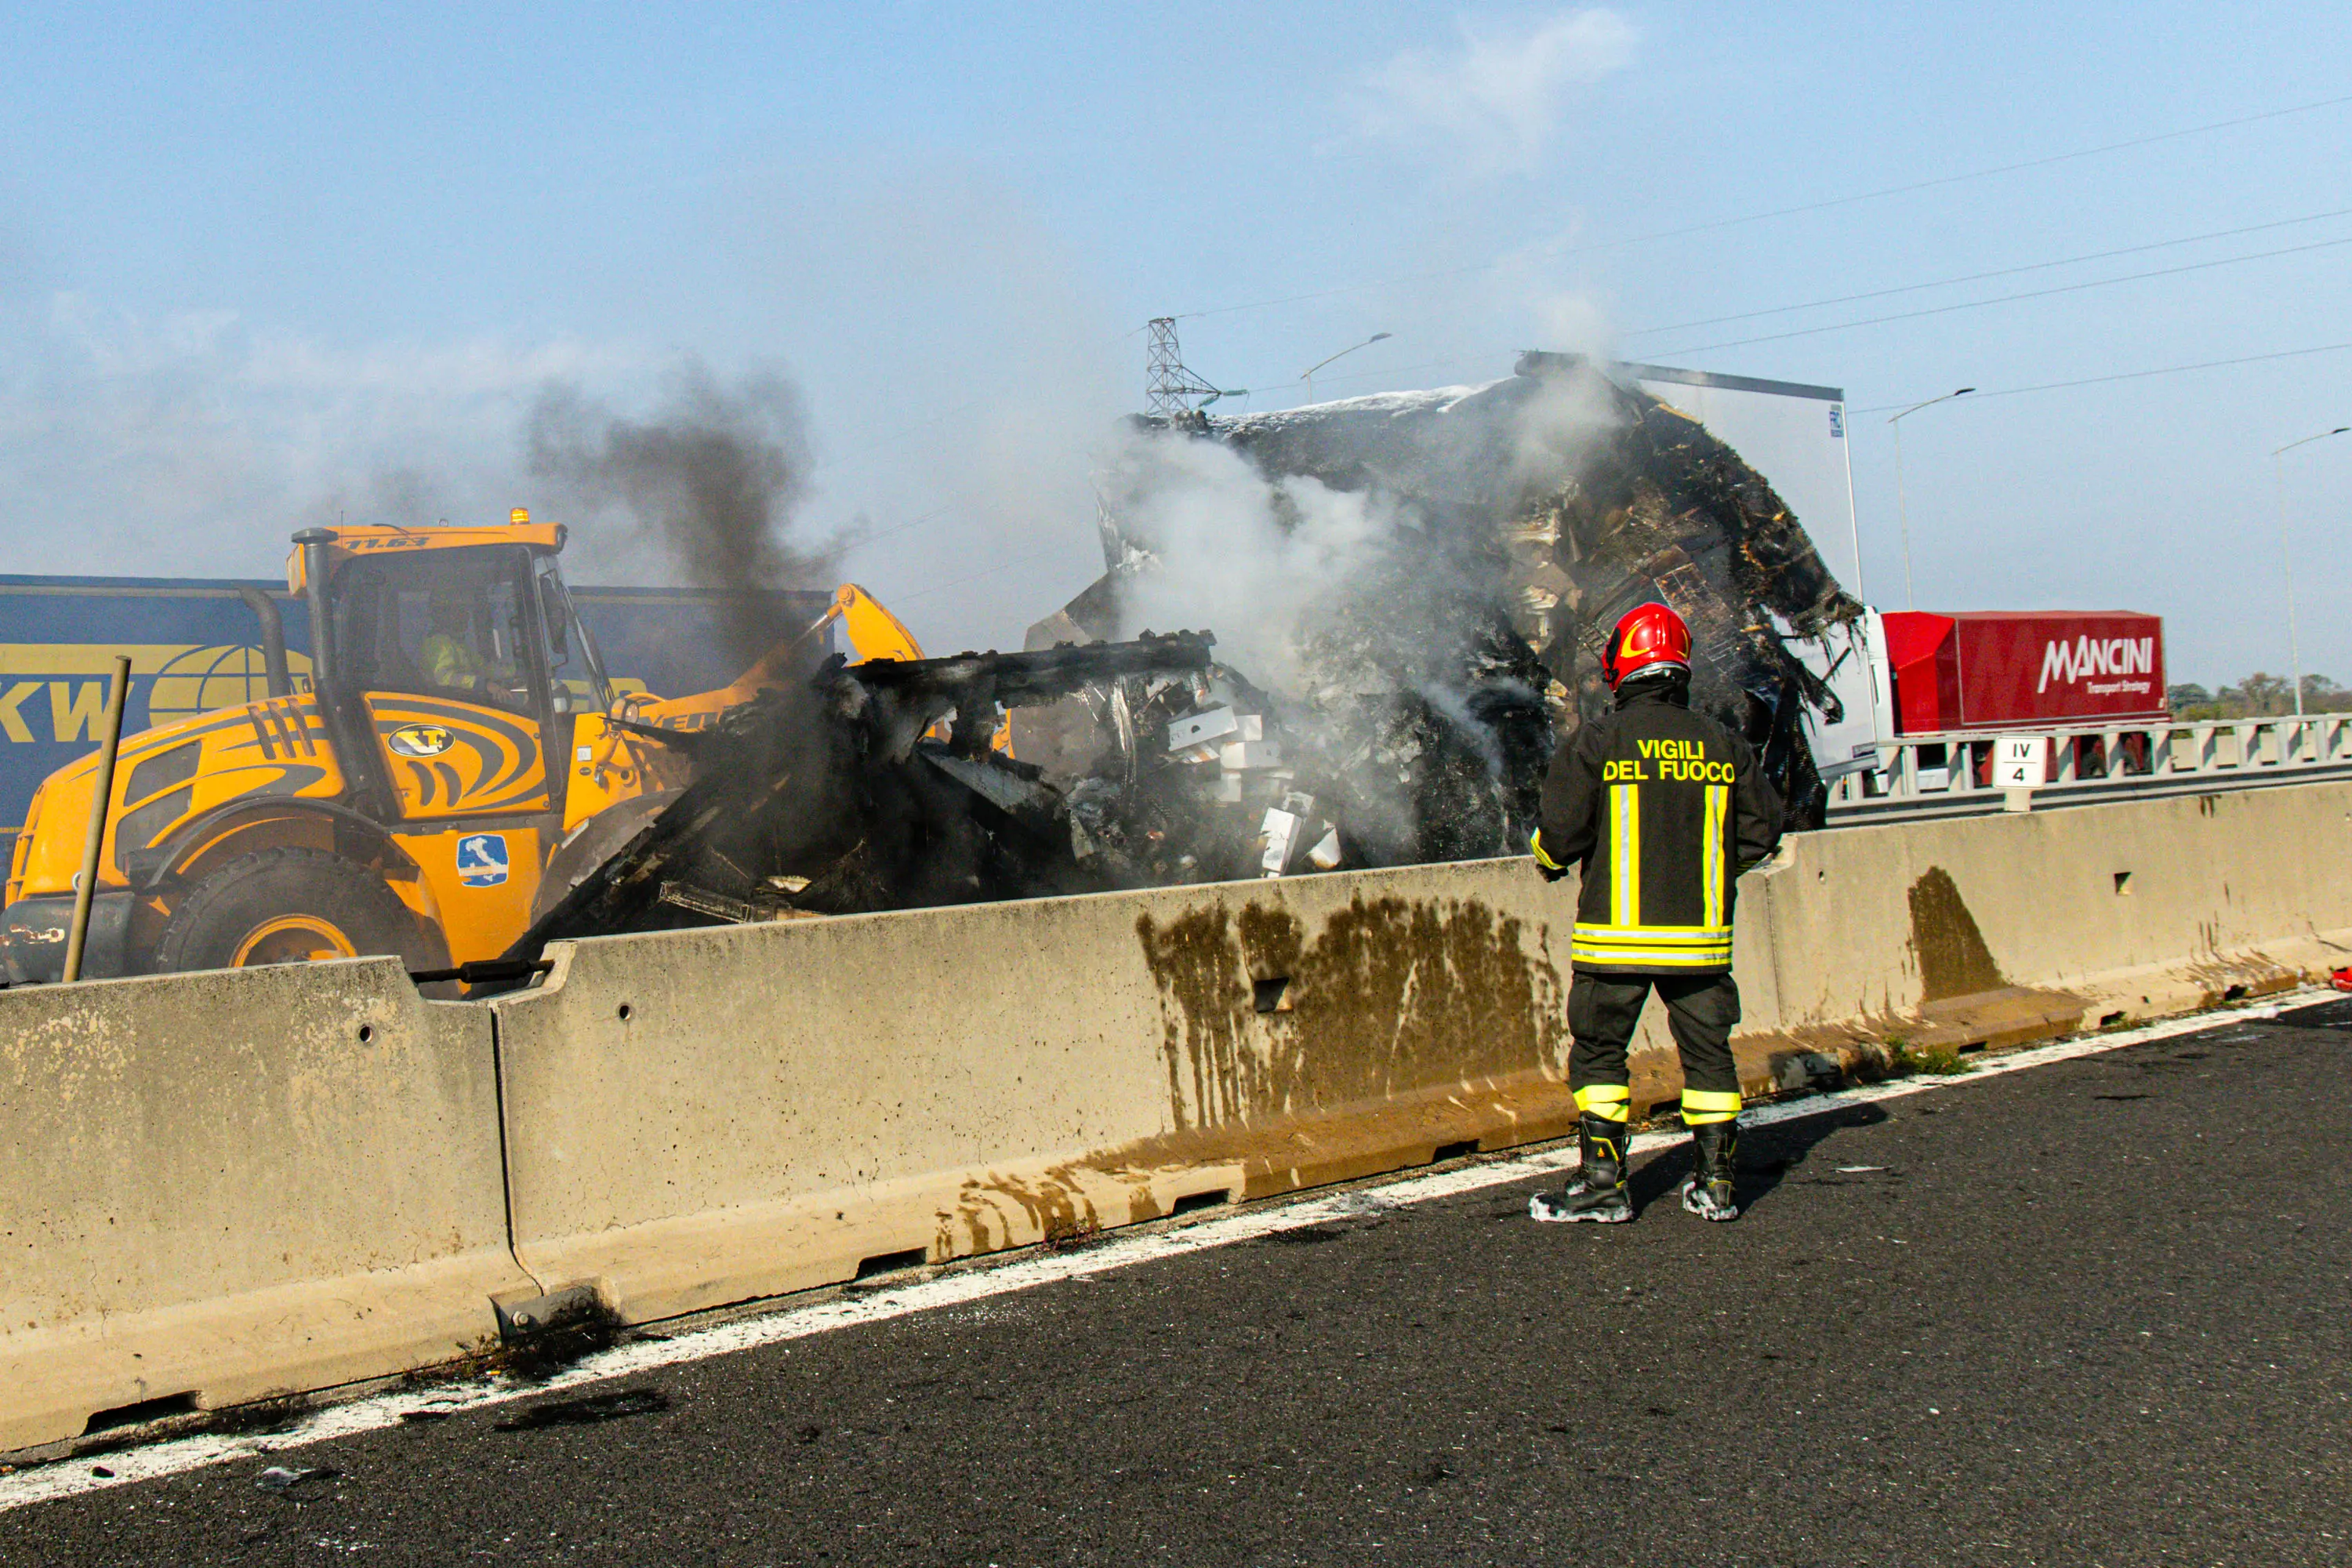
[{"x": 2093, "y": 1312}]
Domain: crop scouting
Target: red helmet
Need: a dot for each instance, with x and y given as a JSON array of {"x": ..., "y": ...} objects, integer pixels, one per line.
[{"x": 1647, "y": 636}]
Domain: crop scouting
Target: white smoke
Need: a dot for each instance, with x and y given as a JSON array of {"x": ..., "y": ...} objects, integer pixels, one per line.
[
  {"x": 1255, "y": 558},
  {"x": 1232, "y": 552},
  {"x": 1557, "y": 428}
]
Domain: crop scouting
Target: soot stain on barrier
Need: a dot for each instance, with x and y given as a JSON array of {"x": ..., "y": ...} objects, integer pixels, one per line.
[
  {"x": 1390, "y": 998},
  {"x": 1205, "y": 996},
  {"x": 1391, "y": 994},
  {"x": 1055, "y": 1210},
  {"x": 1953, "y": 958}
]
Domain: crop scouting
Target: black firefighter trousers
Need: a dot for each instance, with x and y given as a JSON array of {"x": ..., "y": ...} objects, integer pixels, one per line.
[{"x": 1602, "y": 1011}]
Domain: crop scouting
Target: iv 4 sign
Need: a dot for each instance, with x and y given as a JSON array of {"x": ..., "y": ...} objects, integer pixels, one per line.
[{"x": 2020, "y": 761}]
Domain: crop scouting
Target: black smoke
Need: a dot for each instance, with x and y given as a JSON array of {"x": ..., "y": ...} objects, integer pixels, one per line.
[{"x": 714, "y": 474}]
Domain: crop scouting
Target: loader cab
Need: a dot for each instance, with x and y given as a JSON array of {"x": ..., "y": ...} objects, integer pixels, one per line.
[
  {"x": 455, "y": 670},
  {"x": 576, "y": 682}
]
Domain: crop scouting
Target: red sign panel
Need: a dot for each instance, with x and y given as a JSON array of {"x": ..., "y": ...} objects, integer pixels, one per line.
[
  {"x": 2040, "y": 668},
  {"x": 1991, "y": 668}
]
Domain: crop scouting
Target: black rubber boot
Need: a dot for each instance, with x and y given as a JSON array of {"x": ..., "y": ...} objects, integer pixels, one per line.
[
  {"x": 1707, "y": 1193},
  {"x": 1597, "y": 1194}
]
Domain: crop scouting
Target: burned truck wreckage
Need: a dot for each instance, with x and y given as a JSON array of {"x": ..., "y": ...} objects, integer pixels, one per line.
[
  {"x": 1454, "y": 635},
  {"x": 869, "y": 786},
  {"x": 1411, "y": 591}
]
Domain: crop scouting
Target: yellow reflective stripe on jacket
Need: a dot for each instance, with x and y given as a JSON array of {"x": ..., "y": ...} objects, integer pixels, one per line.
[
  {"x": 1535, "y": 842},
  {"x": 1624, "y": 855},
  {"x": 1717, "y": 953},
  {"x": 1675, "y": 946},
  {"x": 1701, "y": 1106},
  {"x": 1585, "y": 929},
  {"x": 1609, "y": 1101},
  {"x": 1653, "y": 957},
  {"x": 1710, "y": 855}
]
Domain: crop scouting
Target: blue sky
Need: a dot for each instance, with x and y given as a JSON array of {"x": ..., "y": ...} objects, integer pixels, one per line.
[{"x": 260, "y": 265}]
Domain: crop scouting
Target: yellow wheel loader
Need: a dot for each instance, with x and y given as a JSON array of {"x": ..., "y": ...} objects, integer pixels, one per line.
[{"x": 453, "y": 769}]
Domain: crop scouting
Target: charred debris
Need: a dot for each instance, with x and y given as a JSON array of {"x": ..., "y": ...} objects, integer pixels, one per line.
[
  {"x": 887, "y": 786},
  {"x": 870, "y": 787},
  {"x": 1425, "y": 687},
  {"x": 1431, "y": 676}
]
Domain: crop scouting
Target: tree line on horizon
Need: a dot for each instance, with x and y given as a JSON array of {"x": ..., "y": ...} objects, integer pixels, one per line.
[{"x": 2257, "y": 696}]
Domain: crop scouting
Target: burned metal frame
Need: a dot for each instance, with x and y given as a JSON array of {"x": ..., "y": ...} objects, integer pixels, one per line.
[{"x": 836, "y": 796}]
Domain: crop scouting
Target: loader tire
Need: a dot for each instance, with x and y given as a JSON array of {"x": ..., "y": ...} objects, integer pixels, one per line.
[{"x": 287, "y": 906}]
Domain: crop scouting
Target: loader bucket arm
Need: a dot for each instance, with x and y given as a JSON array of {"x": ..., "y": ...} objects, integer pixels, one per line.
[{"x": 872, "y": 632}]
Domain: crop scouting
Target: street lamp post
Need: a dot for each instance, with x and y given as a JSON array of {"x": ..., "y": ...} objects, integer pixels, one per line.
[
  {"x": 2286, "y": 558},
  {"x": 1902, "y": 505},
  {"x": 1308, "y": 375}
]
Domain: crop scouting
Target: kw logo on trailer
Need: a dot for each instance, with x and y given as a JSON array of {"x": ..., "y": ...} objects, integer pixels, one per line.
[
  {"x": 175, "y": 680},
  {"x": 2070, "y": 663},
  {"x": 482, "y": 860}
]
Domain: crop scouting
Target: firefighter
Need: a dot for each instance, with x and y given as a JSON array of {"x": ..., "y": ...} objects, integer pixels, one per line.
[{"x": 1662, "y": 808}]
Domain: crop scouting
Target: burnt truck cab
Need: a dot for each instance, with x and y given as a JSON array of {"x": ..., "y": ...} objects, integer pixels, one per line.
[{"x": 405, "y": 800}]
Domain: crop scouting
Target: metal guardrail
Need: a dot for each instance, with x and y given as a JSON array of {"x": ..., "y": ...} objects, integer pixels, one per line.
[{"x": 1950, "y": 774}]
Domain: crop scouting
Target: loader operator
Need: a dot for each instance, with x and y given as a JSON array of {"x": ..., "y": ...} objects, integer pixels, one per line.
[
  {"x": 1663, "y": 808},
  {"x": 447, "y": 658}
]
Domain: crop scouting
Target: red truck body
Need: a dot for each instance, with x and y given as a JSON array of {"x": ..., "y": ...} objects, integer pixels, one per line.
[{"x": 1993, "y": 669}]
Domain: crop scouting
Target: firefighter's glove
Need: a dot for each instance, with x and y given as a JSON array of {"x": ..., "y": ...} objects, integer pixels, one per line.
[{"x": 1549, "y": 869}]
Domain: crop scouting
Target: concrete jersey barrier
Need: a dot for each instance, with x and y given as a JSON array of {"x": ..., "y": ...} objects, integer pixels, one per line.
[
  {"x": 2002, "y": 929},
  {"x": 226, "y": 1185},
  {"x": 702, "y": 1117}
]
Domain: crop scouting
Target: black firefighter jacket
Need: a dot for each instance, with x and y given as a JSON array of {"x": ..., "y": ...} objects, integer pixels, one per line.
[{"x": 1665, "y": 808}]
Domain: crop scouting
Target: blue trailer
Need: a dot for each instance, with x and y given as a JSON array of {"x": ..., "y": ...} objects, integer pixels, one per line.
[{"x": 196, "y": 645}]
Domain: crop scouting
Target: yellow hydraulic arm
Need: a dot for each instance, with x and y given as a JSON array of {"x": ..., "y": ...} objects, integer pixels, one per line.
[
  {"x": 612, "y": 768},
  {"x": 872, "y": 632}
]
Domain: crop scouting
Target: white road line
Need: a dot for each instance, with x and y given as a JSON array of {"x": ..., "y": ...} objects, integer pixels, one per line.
[{"x": 66, "y": 1478}]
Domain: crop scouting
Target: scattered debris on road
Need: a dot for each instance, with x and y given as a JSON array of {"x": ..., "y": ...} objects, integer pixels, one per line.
[
  {"x": 591, "y": 1411},
  {"x": 286, "y": 1483}
]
